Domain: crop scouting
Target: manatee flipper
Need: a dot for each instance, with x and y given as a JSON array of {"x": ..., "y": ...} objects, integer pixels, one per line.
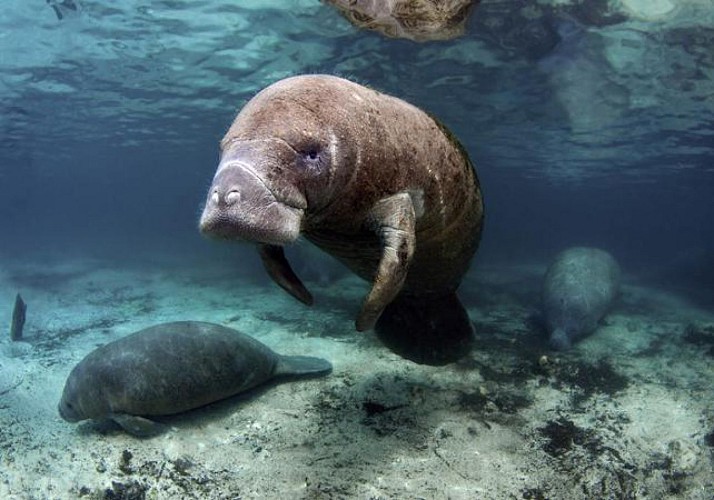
[
  {"x": 301, "y": 366},
  {"x": 138, "y": 426},
  {"x": 279, "y": 270},
  {"x": 428, "y": 330},
  {"x": 394, "y": 219},
  {"x": 559, "y": 340}
]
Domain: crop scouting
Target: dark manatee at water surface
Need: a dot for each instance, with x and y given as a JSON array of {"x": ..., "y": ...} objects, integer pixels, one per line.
[
  {"x": 370, "y": 179},
  {"x": 171, "y": 368},
  {"x": 579, "y": 289}
]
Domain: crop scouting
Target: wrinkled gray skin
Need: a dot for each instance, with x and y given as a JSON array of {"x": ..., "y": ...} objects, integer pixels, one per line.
[
  {"x": 579, "y": 288},
  {"x": 171, "y": 368},
  {"x": 368, "y": 178}
]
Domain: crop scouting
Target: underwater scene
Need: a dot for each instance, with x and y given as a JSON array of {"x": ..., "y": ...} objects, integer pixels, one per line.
[{"x": 336, "y": 249}]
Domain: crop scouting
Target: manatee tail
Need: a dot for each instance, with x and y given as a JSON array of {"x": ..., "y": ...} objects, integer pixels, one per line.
[
  {"x": 298, "y": 366},
  {"x": 559, "y": 340},
  {"x": 427, "y": 330}
]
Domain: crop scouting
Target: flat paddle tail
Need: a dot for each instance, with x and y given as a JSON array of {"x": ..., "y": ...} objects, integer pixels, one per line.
[{"x": 427, "y": 330}]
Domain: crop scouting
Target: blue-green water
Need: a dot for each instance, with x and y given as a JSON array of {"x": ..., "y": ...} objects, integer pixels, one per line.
[{"x": 589, "y": 123}]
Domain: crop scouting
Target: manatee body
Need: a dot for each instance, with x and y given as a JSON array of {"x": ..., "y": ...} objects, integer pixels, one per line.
[
  {"x": 370, "y": 179},
  {"x": 579, "y": 288},
  {"x": 171, "y": 368}
]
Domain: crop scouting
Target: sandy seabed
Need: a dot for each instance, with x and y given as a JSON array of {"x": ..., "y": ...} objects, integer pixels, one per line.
[{"x": 627, "y": 414}]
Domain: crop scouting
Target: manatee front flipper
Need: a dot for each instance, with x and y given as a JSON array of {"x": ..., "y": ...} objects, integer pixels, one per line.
[
  {"x": 428, "y": 330},
  {"x": 279, "y": 270},
  {"x": 394, "y": 221},
  {"x": 138, "y": 426}
]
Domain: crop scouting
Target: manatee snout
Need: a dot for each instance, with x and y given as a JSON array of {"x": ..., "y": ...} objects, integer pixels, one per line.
[
  {"x": 241, "y": 205},
  {"x": 67, "y": 410},
  {"x": 559, "y": 340}
]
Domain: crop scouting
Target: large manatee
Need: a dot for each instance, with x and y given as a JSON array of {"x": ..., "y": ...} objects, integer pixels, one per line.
[
  {"x": 579, "y": 288},
  {"x": 370, "y": 179},
  {"x": 171, "y": 368}
]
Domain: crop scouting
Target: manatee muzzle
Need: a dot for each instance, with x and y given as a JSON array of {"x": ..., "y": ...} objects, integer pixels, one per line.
[
  {"x": 67, "y": 412},
  {"x": 241, "y": 205}
]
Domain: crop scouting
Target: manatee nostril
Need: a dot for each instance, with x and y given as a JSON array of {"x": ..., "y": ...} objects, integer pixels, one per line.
[
  {"x": 232, "y": 197},
  {"x": 220, "y": 197}
]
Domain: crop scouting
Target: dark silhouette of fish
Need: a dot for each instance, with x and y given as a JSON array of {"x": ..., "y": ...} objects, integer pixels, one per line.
[
  {"x": 63, "y": 8},
  {"x": 579, "y": 288}
]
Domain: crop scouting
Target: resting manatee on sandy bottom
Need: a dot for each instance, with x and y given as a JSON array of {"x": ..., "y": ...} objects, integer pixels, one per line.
[
  {"x": 579, "y": 288},
  {"x": 368, "y": 178},
  {"x": 171, "y": 368}
]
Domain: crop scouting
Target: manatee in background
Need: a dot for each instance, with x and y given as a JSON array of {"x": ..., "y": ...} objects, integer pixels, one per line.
[
  {"x": 171, "y": 368},
  {"x": 418, "y": 20},
  {"x": 579, "y": 288},
  {"x": 368, "y": 178}
]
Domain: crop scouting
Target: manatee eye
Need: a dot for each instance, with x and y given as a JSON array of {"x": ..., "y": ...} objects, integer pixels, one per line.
[
  {"x": 312, "y": 157},
  {"x": 312, "y": 153}
]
